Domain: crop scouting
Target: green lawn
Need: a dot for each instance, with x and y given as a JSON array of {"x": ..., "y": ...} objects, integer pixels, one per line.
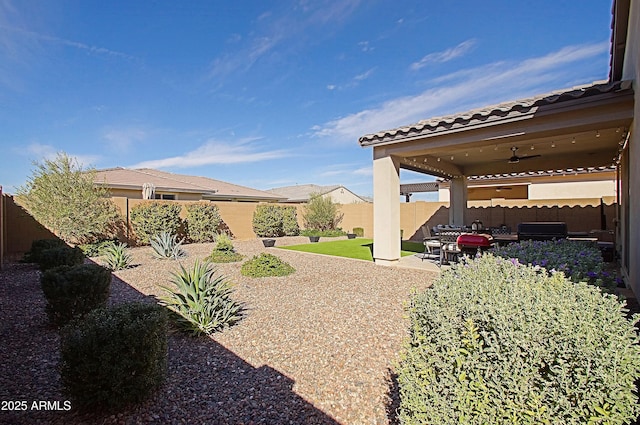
[{"x": 359, "y": 248}]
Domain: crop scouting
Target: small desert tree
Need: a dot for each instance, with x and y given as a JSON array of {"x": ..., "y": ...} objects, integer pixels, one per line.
[
  {"x": 63, "y": 198},
  {"x": 321, "y": 213}
]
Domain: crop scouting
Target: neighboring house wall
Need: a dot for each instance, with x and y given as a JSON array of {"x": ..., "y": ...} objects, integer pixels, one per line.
[
  {"x": 343, "y": 196},
  {"x": 631, "y": 171},
  {"x": 137, "y": 194}
]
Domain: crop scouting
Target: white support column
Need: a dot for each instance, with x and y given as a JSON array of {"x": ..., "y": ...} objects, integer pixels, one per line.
[
  {"x": 458, "y": 201},
  {"x": 386, "y": 208}
]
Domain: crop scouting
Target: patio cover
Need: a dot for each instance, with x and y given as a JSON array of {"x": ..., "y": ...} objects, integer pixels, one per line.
[{"x": 565, "y": 130}]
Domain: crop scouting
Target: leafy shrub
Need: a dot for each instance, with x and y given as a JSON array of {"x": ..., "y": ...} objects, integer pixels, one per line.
[
  {"x": 39, "y": 245},
  {"x": 326, "y": 233},
  {"x": 267, "y": 221},
  {"x": 62, "y": 196},
  {"x": 201, "y": 300},
  {"x": 151, "y": 218},
  {"x": 73, "y": 291},
  {"x": 265, "y": 265},
  {"x": 359, "y": 232},
  {"x": 114, "y": 356},
  {"x": 497, "y": 342},
  {"x": 224, "y": 251},
  {"x": 202, "y": 222},
  {"x": 166, "y": 245},
  {"x": 579, "y": 261},
  {"x": 60, "y": 256},
  {"x": 116, "y": 256},
  {"x": 320, "y": 213},
  {"x": 290, "y": 225},
  {"x": 96, "y": 249}
]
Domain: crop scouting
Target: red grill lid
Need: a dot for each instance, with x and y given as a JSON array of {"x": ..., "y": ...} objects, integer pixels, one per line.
[{"x": 470, "y": 239}]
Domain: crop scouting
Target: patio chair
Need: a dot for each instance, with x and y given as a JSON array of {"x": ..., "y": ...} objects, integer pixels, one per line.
[
  {"x": 431, "y": 242},
  {"x": 448, "y": 241}
]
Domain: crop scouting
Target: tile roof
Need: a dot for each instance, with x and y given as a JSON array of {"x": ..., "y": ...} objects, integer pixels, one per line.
[
  {"x": 487, "y": 113},
  {"x": 165, "y": 181}
]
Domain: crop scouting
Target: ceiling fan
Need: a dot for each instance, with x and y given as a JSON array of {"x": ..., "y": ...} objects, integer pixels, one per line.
[{"x": 515, "y": 158}]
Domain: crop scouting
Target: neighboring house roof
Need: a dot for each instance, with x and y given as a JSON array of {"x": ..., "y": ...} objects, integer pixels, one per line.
[
  {"x": 483, "y": 116},
  {"x": 211, "y": 189},
  {"x": 303, "y": 192}
]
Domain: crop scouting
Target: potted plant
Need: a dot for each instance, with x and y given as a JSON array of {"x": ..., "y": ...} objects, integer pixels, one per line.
[
  {"x": 351, "y": 235},
  {"x": 314, "y": 238},
  {"x": 313, "y": 234},
  {"x": 268, "y": 243}
]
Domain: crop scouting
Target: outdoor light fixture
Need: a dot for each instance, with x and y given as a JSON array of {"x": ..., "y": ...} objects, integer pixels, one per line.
[
  {"x": 598, "y": 133},
  {"x": 573, "y": 141},
  {"x": 553, "y": 144}
]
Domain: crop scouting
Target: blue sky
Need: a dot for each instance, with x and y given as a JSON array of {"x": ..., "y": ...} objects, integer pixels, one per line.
[{"x": 267, "y": 94}]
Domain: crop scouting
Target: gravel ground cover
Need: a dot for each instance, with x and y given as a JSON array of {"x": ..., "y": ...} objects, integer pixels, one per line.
[{"x": 315, "y": 347}]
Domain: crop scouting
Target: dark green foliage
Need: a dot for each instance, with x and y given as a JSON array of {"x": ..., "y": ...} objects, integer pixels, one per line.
[
  {"x": 73, "y": 291},
  {"x": 63, "y": 197},
  {"x": 114, "y": 356},
  {"x": 37, "y": 246},
  {"x": 290, "y": 225},
  {"x": 95, "y": 249},
  {"x": 320, "y": 213},
  {"x": 359, "y": 232},
  {"x": 497, "y": 342},
  {"x": 265, "y": 265},
  {"x": 275, "y": 220},
  {"x": 60, "y": 256},
  {"x": 201, "y": 300},
  {"x": 202, "y": 222},
  {"x": 152, "y": 218}
]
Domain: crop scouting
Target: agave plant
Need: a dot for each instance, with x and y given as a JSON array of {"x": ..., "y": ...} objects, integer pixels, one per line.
[
  {"x": 201, "y": 300},
  {"x": 116, "y": 256},
  {"x": 166, "y": 245}
]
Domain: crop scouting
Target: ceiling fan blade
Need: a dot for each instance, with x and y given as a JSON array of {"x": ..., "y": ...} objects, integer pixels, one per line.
[{"x": 522, "y": 158}]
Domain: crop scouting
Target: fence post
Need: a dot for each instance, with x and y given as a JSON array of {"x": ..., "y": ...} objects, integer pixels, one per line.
[{"x": 2, "y": 213}]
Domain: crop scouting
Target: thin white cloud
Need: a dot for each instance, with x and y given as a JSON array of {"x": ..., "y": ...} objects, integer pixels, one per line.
[
  {"x": 470, "y": 88},
  {"x": 354, "y": 81},
  {"x": 444, "y": 56},
  {"x": 57, "y": 40},
  {"x": 364, "y": 75},
  {"x": 215, "y": 152}
]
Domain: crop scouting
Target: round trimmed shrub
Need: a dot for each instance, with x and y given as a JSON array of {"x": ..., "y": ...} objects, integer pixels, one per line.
[
  {"x": 73, "y": 291},
  {"x": 60, "y": 256},
  {"x": 267, "y": 221},
  {"x": 152, "y": 218},
  {"x": 494, "y": 341},
  {"x": 39, "y": 245},
  {"x": 202, "y": 222},
  {"x": 114, "y": 356},
  {"x": 265, "y": 265}
]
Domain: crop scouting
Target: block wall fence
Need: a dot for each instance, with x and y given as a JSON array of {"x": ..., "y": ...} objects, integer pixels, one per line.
[{"x": 18, "y": 229}]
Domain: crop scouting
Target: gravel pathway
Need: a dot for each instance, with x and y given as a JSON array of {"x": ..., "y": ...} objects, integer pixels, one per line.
[{"x": 315, "y": 347}]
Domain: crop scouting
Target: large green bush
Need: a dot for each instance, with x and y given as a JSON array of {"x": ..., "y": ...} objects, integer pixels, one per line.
[
  {"x": 290, "y": 225},
  {"x": 60, "y": 256},
  {"x": 201, "y": 300},
  {"x": 275, "y": 220},
  {"x": 73, "y": 291},
  {"x": 320, "y": 213},
  {"x": 266, "y": 265},
  {"x": 39, "y": 245},
  {"x": 114, "y": 356},
  {"x": 62, "y": 196},
  {"x": 580, "y": 261},
  {"x": 497, "y": 342},
  {"x": 267, "y": 221},
  {"x": 152, "y": 218},
  {"x": 202, "y": 222}
]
